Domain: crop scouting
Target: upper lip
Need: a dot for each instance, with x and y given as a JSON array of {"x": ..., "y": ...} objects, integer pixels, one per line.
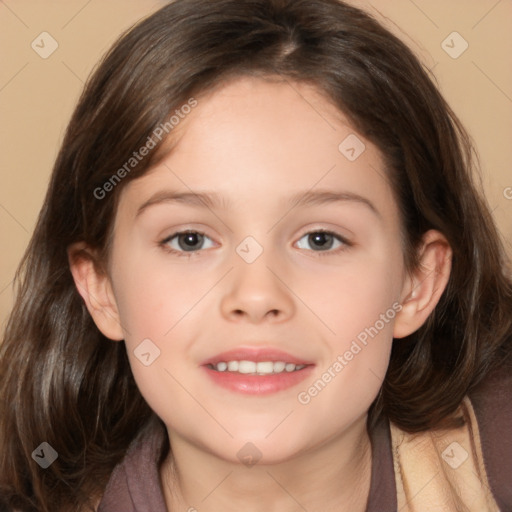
[{"x": 256, "y": 354}]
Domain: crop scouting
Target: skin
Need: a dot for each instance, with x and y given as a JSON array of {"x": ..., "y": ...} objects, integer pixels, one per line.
[{"x": 256, "y": 143}]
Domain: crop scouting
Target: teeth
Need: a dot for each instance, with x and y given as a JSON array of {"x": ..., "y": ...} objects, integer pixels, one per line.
[
  {"x": 233, "y": 366},
  {"x": 267, "y": 367},
  {"x": 246, "y": 367},
  {"x": 260, "y": 368},
  {"x": 279, "y": 367}
]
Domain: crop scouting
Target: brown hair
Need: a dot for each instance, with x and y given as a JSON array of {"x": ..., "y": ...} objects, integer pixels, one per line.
[{"x": 63, "y": 382}]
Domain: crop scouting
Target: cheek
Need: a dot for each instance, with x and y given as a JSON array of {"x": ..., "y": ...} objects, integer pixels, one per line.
[
  {"x": 357, "y": 305},
  {"x": 352, "y": 295},
  {"x": 160, "y": 313},
  {"x": 344, "y": 389},
  {"x": 152, "y": 297},
  {"x": 357, "y": 356}
]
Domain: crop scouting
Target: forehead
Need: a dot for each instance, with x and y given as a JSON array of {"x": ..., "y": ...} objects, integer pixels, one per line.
[{"x": 252, "y": 140}]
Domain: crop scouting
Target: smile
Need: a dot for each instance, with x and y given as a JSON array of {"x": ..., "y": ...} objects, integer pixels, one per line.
[{"x": 257, "y": 378}]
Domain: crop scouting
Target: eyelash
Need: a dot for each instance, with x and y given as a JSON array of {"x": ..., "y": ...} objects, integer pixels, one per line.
[{"x": 190, "y": 254}]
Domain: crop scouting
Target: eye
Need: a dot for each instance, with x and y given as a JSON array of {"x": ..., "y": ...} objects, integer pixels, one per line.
[
  {"x": 325, "y": 241},
  {"x": 188, "y": 243},
  {"x": 183, "y": 242}
]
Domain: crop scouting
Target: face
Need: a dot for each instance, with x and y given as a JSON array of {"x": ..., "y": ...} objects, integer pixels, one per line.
[{"x": 295, "y": 257}]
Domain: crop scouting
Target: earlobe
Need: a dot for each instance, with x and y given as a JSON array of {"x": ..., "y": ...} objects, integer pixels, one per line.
[
  {"x": 95, "y": 288},
  {"x": 423, "y": 289}
]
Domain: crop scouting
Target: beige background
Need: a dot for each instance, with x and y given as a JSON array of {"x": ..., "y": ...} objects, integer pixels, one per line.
[{"x": 37, "y": 95}]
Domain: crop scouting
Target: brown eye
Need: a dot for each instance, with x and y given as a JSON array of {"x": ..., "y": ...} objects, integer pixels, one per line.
[
  {"x": 190, "y": 241},
  {"x": 185, "y": 241},
  {"x": 324, "y": 241}
]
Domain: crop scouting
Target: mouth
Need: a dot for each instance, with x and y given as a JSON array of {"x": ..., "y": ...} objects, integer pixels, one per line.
[{"x": 257, "y": 371}]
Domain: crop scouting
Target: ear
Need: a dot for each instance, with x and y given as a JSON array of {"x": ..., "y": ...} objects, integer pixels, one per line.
[
  {"x": 423, "y": 289},
  {"x": 93, "y": 284}
]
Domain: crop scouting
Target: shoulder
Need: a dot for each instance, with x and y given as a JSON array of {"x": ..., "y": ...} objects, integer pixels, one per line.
[
  {"x": 469, "y": 466},
  {"x": 134, "y": 485},
  {"x": 492, "y": 404}
]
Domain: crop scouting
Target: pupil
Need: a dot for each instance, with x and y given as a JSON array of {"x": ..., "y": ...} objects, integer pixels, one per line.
[
  {"x": 190, "y": 239},
  {"x": 320, "y": 239}
]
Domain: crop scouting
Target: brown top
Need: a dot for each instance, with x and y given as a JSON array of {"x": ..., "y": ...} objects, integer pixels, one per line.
[
  {"x": 135, "y": 485},
  {"x": 493, "y": 407}
]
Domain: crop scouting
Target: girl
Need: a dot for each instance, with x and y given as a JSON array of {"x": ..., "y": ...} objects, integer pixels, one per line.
[{"x": 262, "y": 279}]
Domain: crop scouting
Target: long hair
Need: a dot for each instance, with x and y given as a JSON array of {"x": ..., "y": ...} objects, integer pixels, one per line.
[{"x": 64, "y": 383}]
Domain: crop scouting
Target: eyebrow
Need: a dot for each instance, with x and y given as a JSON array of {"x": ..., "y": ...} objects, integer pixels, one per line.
[{"x": 212, "y": 200}]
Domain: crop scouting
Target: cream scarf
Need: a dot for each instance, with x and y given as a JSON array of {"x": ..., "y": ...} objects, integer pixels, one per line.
[{"x": 442, "y": 471}]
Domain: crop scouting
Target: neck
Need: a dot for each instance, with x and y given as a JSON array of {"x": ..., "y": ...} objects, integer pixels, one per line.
[{"x": 334, "y": 476}]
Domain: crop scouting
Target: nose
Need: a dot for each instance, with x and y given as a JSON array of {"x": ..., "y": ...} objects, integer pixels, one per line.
[{"x": 257, "y": 292}]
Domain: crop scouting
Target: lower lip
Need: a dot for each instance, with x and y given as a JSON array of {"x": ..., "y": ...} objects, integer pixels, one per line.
[{"x": 258, "y": 384}]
